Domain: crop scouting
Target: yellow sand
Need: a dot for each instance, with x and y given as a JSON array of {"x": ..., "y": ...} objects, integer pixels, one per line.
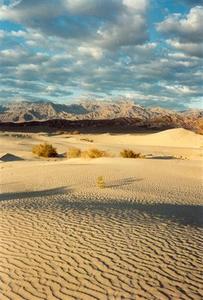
[{"x": 61, "y": 237}]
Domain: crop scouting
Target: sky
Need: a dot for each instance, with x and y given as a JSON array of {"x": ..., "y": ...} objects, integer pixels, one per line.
[{"x": 147, "y": 51}]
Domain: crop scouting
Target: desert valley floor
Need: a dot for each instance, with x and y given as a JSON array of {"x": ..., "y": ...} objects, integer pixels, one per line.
[{"x": 141, "y": 237}]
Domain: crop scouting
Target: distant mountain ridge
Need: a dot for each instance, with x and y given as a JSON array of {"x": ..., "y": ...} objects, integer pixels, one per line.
[{"x": 129, "y": 112}]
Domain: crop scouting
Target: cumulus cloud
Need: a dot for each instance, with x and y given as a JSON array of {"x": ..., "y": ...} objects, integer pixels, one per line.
[
  {"x": 109, "y": 23},
  {"x": 99, "y": 8},
  {"x": 96, "y": 70},
  {"x": 188, "y": 28},
  {"x": 185, "y": 32},
  {"x": 65, "y": 48},
  {"x": 193, "y": 49}
]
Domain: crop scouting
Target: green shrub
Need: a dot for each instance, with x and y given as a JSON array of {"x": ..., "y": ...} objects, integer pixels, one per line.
[
  {"x": 44, "y": 150},
  {"x": 74, "y": 152},
  {"x": 127, "y": 153}
]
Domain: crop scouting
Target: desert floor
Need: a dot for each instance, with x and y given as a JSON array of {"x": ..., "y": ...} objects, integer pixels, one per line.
[{"x": 141, "y": 237}]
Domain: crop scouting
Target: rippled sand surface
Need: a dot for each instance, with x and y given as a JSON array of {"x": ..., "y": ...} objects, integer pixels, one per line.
[
  {"x": 64, "y": 248},
  {"x": 63, "y": 238}
]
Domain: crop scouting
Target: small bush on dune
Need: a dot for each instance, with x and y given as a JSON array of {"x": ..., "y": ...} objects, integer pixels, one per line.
[
  {"x": 101, "y": 182},
  {"x": 44, "y": 150},
  {"x": 84, "y": 154},
  {"x": 127, "y": 153},
  {"x": 94, "y": 153},
  {"x": 142, "y": 155},
  {"x": 74, "y": 152}
]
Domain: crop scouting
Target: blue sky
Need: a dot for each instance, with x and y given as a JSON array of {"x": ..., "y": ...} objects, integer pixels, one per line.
[{"x": 150, "y": 52}]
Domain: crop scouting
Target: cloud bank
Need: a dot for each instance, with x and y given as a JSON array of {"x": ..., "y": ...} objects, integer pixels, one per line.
[{"x": 65, "y": 49}]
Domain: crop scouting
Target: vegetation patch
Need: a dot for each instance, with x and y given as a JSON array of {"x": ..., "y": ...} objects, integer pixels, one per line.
[
  {"x": 127, "y": 153},
  {"x": 100, "y": 182},
  {"x": 94, "y": 153},
  {"x": 74, "y": 152},
  {"x": 44, "y": 150}
]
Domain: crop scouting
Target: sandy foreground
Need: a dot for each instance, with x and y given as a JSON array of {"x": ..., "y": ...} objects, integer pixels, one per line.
[{"x": 61, "y": 237}]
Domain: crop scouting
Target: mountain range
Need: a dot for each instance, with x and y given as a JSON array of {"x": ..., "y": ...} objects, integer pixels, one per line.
[{"x": 120, "y": 113}]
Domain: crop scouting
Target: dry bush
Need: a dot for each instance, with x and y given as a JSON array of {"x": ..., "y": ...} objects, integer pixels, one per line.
[
  {"x": 94, "y": 153},
  {"x": 127, "y": 153},
  {"x": 44, "y": 150},
  {"x": 101, "y": 182},
  {"x": 142, "y": 156},
  {"x": 74, "y": 152}
]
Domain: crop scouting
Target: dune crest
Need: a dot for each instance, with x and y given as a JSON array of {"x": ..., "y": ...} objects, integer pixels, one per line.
[{"x": 177, "y": 137}]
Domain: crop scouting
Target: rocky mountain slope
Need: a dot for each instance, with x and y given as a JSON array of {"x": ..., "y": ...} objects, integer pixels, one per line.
[{"x": 121, "y": 113}]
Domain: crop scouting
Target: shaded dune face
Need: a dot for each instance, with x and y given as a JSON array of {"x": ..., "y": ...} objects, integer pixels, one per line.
[{"x": 61, "y": 247}]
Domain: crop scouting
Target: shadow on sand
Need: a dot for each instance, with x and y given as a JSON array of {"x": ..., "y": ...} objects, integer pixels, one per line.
[
  {"x": 183, "y": 214},
  {"x": 9, "y": 157},
  {"x": 161, "y": 157},
  {"x": 33, "y": 194},
  {"x": 123, "y": 182}
]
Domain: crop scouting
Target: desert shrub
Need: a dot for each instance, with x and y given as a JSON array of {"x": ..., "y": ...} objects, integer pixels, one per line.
[
  {"x": 127, "y": 153},
  {"x": 45, "y": 150},
  {"x": 84, "y": 154},
  {"x": 74, "y": 152},
  {"x": 100, "y": 182},
  {"x": 94, "y": 153},
  {"x": 142, "y": 155}
]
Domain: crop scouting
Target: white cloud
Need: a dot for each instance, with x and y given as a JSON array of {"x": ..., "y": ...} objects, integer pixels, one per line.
[
  {"x": 97, "y": 8},
  {"x": 192, "y": 49},
  {"x": 97, "y": 47},
  {"x": 129, "y": 30},
  {"x": 95, "y": 52},
  {"x": 186, "y": 32},
  {"x": 138, "y": 5},
  {"x": 188, "y": 28},
  {"x": 180, "y": 89},
  {"x": 104, "y": 23}
]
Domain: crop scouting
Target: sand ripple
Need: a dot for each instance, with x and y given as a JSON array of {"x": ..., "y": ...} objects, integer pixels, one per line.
[{"x": 61, "y": 247}]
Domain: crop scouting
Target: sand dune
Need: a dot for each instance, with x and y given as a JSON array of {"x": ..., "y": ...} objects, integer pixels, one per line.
[
  {"x": 61, "y": 237},
  {"x": 177, "y": 137}
]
